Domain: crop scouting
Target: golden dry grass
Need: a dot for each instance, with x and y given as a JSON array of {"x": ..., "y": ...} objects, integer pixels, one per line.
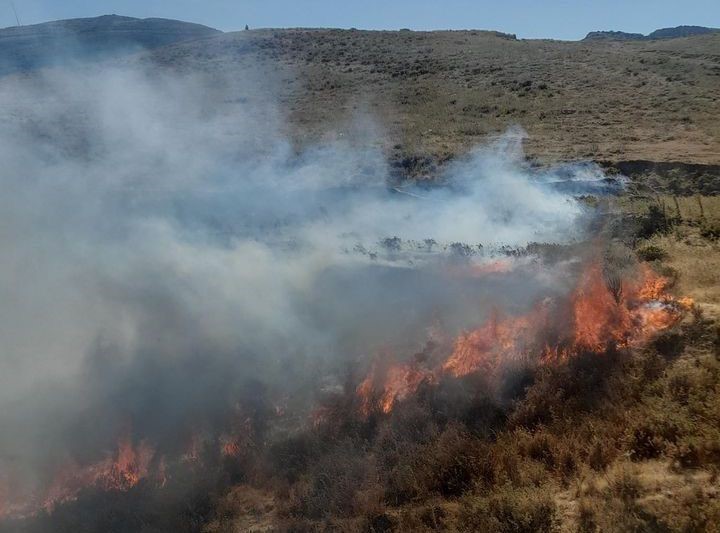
[{"x": 695, "y": 258}]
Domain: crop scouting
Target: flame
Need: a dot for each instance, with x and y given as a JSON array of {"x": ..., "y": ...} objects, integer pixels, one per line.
[
  {"x": 499, "y": 266},
  {"x": 602, "y": 313},
  {"x": 598, "y": 314},
  {"x": 600, "y": 317},
  {"x": 192, "y": 452},
  {"x": 121, "y": 472},
  {"x": 498, "y": 340},
  {"x": 236, "y": 443},
  {"x": 399, "y": 381}
]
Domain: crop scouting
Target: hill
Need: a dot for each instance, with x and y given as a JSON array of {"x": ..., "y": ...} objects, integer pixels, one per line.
[
  {"x": 663, "y": 33},
  {"x": 613, "y": 35},
  {"x": 681, "y": 31},
  {"x": 595, "y": 410},
  {"x": 27, "y": 47},
  {"x": 437, "y": 94}
]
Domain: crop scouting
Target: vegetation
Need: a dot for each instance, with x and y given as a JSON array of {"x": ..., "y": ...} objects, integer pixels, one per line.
[
  {"x": 624, "y": 442},
  {"x": 436, "y": 95},
  {"x": 629, "y": 441}
]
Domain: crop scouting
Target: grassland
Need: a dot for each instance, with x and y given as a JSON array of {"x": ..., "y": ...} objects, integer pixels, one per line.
[
  {"x": 436, "y": 94},
  {"x": 625, "y": 442},
  {"x": 628, "y": 441}
]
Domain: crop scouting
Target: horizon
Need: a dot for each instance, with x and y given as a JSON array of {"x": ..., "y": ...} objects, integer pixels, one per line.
[{"x": 557, "y": 19}]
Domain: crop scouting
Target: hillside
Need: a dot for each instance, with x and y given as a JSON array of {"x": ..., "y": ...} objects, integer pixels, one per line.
[
  {"x": 613, "y": 35},
  {"x": 431, "y": 95},
  {"x": 662, "y": 33},
  {"x": 27, "y": 47},
  {"x": 681, "y": 31},
  {"x": 437, "y": 94},
  {"x": 225, "y": 309}
]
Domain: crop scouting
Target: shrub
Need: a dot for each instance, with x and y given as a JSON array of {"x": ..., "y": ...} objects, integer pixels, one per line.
[
  {"x": 649, "y": 439},
  {"x": 654, "y": 221},
  {"x": 509, "y": 511},
  {"x": 452, "y": 462},
  {"x": 651, "y": 253},
  {"x": 710, "y": 230}
]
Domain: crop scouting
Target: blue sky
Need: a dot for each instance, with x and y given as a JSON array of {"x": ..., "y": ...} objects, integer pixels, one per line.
[{"x": 559, "y": 19}]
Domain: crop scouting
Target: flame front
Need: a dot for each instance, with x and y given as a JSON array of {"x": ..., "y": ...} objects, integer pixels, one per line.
[
  {"x": 604, "y": 313},
  {"x": 599, "y": 314},
  {"x": 124, "y": 470}
]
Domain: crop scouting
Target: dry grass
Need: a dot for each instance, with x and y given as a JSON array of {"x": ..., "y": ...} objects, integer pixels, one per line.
[
  {"x": 688, "y": 209},
  {"x": 687, "y": 249},
  {"x": 438, "y": 93},
  {"x": 244, "y": 508}
]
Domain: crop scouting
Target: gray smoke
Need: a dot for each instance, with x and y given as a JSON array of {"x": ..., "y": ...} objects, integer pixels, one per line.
[{"x": 162, "y": 257}]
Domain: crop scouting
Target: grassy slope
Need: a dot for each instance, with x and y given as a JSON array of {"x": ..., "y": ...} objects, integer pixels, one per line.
[
  {"x": 623, "y": 442},
  {"x": 615, "y": 444},
  {"x": 439, "y": 93},
  {"x": 620, "y": 444}
]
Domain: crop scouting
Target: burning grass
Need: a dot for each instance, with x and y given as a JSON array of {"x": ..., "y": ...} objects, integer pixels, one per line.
[
  {"x": 604, "y": 312},
  {"x": 489, "y": 425},
  {"x": 595, "y": 409}
]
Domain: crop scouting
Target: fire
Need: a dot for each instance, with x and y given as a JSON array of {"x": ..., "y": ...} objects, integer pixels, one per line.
[
  {"x": 600, "y": 315},
  {"x": 399, "y": 381},
  {"x": 603, "y": 312},
  {"x": 498, "y": 340},
  {"x": 499, "y": 266},
  {"x": 192, "y": 453},
  {"x": 239, "y": 441},
  {"x": 654, "y": 286},
  {"x": 121, "y": 472}
]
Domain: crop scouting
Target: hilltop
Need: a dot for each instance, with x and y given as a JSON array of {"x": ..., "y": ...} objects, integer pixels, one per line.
[
  {"x": 663, "y": 33},
  {"x": 27, "y": 47}
]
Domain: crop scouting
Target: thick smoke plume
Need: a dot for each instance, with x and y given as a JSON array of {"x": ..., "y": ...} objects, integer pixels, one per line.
[{"x": 163, "y": 260}]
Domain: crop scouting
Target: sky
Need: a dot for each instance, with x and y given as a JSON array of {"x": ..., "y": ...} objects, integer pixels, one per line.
[{"x": 557, "y": 19}]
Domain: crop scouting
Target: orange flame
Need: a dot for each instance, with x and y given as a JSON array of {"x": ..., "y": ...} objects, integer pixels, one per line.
[
  {"x": 121, "y": 472},
  {"x": 399, "y": 381},
  {"x": 603, "y": 313},
  {"x": 498, "y": 340}
]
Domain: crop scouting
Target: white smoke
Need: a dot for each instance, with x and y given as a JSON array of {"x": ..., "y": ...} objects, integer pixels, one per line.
[{"x": 153, "y": 243}]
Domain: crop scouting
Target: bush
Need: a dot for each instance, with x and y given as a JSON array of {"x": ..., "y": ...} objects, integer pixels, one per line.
[
  {"x": 654, "y": 221},
  {"x": 710, "y": 230},
  {"x": 650, "y": 438},
  {"x": 452, "y": 462},
  {"x": 509, "y": 511},
  {"x": 651, "y": 253},
  {"x": 340, "y": 484}
]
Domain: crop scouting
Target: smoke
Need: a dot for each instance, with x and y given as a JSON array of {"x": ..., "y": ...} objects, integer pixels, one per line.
[{"x": 164, "y": 259}]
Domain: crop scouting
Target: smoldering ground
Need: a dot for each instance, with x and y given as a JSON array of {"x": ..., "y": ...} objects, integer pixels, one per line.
[{"x": 163, "y": 260}]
